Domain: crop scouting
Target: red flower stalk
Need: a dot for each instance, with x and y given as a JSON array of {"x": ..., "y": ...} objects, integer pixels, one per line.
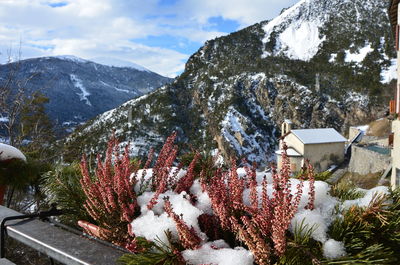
[
  {"x": 311, "y": 192},
  {"x": 259, "y": 224},
  {"x": 187, "y": 236},
  {"x": 165, "y": 160},
  {"x": 251, "y": 173},
  {"x": 220, "y": 198},
  {"x": 110, "y": 199},
  {"x": 186, "y": 182},
  {"x": 162, "y": 169}
]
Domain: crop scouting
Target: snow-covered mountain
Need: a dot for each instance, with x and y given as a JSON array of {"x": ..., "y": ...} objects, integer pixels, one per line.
[
  {"x": 321, "y": 63},
  {"x": 79, "y": 89}
]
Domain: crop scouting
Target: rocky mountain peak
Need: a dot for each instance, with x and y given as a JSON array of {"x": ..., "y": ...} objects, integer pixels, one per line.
[{"x": 320, "y": 64}]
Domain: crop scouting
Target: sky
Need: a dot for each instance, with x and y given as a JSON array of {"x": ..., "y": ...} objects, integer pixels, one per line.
[{"x": 157, "y": 34}]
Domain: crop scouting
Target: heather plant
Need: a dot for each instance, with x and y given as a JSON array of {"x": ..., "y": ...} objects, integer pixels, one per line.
[
  {"x": 163, "y": 177},
  {"x": 110, "y": 199},
  {"x": 262, "y": 226}
]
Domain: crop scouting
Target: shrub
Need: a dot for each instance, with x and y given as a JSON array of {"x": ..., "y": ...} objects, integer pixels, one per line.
[{"x": 62, "y": 186}]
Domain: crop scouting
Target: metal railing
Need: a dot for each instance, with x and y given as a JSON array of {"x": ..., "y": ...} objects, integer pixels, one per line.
[{"x": 59, "y": 244}]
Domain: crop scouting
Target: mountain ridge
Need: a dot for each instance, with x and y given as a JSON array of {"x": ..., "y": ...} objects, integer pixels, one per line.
[
  {"x": 233, "y": 95},
  {"x": 80, "y": 89}
]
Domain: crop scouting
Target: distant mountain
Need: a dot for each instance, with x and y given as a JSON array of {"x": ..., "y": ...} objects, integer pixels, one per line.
[
  {"x": 79, "y": 89},
  {"x": 320, "y": 63}
]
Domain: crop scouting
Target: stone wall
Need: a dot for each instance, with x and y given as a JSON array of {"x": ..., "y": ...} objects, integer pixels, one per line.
[
  {"x": 382, "y": 141},
  {"x": 364, "y": 161}
]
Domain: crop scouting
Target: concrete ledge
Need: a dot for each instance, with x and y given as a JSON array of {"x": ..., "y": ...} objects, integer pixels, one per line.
[{"x": 63, "y": 246}]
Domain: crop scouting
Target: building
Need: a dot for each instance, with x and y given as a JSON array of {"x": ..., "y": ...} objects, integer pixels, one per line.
[
  {"x": 395, "y": 104},
  {"x": 322, "y": 147}
]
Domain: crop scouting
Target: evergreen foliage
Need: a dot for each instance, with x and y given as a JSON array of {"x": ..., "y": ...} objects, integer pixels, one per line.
[
  {"x": 345, "y": 190},
  {"x": 155, "y": 253},
  {"x": 61, "y": 186},
  {"x": 371, "y": 235}
]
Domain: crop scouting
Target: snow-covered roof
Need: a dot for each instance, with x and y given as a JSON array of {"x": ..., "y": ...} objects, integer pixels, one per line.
[
  {"x": 8, "y": 152},
  {"x": 289, "y": 151},
  {"x": 318, "y": 136}
]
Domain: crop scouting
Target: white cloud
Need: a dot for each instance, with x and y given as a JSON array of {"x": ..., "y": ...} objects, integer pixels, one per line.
[{"x": 93, "y": 28}]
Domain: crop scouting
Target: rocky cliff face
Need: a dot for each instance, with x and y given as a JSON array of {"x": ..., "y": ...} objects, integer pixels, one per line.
[
  {"x": 320, "y": 63},
  {"x": 79, "y": 89}
]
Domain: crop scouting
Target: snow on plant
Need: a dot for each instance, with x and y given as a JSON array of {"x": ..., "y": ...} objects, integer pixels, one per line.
[
  {"x": 250, "y": 216},
  {"x": 187, "y": 236}
]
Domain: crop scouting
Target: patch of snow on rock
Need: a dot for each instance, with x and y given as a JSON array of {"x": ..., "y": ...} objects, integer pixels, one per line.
[
  {"x": 390, "y": 73},
  {"x": 301, "y": 41},
  {"x": 298, "y": 35},
  {"x": 359, "y": 56}
]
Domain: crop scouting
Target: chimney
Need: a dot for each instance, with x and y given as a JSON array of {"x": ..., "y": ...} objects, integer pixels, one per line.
[{"x": 286, "y": 127}]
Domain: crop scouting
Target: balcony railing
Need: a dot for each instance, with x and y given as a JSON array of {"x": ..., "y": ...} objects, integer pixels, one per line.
[{"x": 58, "y": 244}]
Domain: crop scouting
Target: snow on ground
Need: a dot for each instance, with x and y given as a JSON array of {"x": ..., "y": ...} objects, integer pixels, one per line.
[
  {"x": 9, "y": 152},
  {"x": 153, "y": 223},
  {"x": 333, "y": 57},
  {"x": 83, "y": 96},
  {"x": 390, "y": 73},
  {"x": 358, "y": 56},
  {"x": 116, "y": 88},
  {"x": 297, "y": 38},
  {"x": 280, "y": 19},
  {"x": 302, "y": 41},
  {"x": 70, "y": 58}
]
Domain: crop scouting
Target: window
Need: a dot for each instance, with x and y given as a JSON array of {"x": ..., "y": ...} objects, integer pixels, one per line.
[{"x": 293, "y": 167}]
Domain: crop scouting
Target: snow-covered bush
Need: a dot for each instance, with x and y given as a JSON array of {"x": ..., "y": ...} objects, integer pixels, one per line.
[{"x": 170, "y": 215}]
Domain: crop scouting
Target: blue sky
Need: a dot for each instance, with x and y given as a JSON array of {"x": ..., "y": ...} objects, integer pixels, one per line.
[{"x": 157, "y": 34}]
